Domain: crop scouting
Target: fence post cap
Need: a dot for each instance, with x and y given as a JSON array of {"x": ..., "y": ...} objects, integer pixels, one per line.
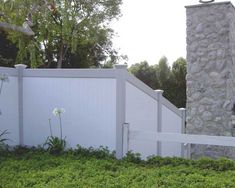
[
  {"x": 20, "y": 66},
  {"x": 159, "y": 91},
  {"x": 118, "y": 66}
]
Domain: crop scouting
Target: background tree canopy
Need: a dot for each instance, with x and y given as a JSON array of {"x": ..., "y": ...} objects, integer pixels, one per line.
[
  {"x": 162, "y": 76},
  {"x": 76, "y": 34},
  {"x": 62, "y": 33},
  {"x": 8, "y": 51}
]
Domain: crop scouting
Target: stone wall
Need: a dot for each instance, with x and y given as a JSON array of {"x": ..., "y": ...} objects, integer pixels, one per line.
[{"x": 210, "y": 85}]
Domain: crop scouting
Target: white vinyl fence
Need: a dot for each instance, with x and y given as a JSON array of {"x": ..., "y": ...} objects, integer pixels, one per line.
[
  {"x": 148, "y": 110},
  {"x": 130, "y": 135},
  {"x": 9, "y": 118},
  {"x": 98, "y": 102}
]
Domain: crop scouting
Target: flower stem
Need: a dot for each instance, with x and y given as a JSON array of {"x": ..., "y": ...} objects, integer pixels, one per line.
[
  {"x": 1, "y": 86},
  {"x": 60, "y": 127},
  {"x": 50, "y": 126}
]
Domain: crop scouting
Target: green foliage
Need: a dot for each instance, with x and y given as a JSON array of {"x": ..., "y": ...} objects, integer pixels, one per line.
[
  {"x": 168, "y": 161},
  {"x": 165, "y": 77},
  {"x": 8, "y": 51},
  {"x": 21, "y": 150},
  {"x": 3, "y": 139},
  {"x": 99, "y": 153},
  {"x": 68, "y": 33},
  {"x": 133, "y": 157},
  {"x": 5, "y": 62},
  {"x": 55, "y": 145},
  {"x": 145, "y": 73},
  {"x": 162, "y": 76},
  {"x": 179, "y": 70},
  {"x": 4, "y": 133},
  {"x": 36, "y": 168},
  {"x": 221, "y": 164}
]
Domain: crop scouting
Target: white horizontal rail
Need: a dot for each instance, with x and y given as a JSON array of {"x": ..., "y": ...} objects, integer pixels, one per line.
[
  {"x": 9, "y": 71},
  {"x": 182, "y": 138},
  {"x": 71, "y": 73}
]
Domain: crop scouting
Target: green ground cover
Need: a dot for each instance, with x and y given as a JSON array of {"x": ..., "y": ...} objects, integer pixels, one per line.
[{"x": 92, "y": 168}]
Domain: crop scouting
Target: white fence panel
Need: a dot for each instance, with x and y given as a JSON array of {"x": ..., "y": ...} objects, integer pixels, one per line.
[
  {"x": 92, "y": 117},
  {"x": 171, "y": 123},
  {"x": 90, "y": 104},
  {"x": 141, "y": 114},
  {"x": 9, "y": 119}
]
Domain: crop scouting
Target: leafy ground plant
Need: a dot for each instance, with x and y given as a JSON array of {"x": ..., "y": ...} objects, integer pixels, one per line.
[
  {"x": 37, "y": 168},
  {"x": 54, "y": 144},
  {"x": 3, "y": 139},
  {"x": 3, "y": 78}
]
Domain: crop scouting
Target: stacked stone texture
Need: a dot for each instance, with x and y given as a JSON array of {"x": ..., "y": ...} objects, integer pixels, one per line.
[{"x": 210, "y": 77}]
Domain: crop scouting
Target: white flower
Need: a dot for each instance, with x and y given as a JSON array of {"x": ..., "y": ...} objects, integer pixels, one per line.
[
  {"x": 4, "y": 78},
  {"x": 58, "y": 111}
]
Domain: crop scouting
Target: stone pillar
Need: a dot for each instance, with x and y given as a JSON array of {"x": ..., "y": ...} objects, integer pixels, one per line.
[{"x": 210, "y": 73}]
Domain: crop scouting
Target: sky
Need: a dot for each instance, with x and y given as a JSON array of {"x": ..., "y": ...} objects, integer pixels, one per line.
[{"x": 150, "y": 29}]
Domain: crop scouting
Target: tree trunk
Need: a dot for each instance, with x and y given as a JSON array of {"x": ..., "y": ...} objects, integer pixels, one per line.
[
  {"x": 60, "y": 58},
  {"x": 62, "y": 53}
]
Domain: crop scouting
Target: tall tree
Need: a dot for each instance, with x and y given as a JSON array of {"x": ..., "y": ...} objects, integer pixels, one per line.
[
  {"x": 61, "y": 33},
  {"x": 145, "y": 73},
  {"x": 179, "y": 71},
  {"x": 162, "y": 76},
  {"x": 163, "y": 72}
]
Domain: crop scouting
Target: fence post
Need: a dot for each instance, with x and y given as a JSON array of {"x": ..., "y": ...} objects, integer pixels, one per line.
[
  {"x": 120, "y": 107},
  {"x": 126, "y": 127},
  {"x": 20, "y": 68},
  {"x": 183, "y": 120},
  {"x": 159, "y": 119},
  {"x": 188, "y": 149}
]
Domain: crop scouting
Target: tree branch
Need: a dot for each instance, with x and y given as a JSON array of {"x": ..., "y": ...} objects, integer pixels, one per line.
[{"x": 6, "y": 27}]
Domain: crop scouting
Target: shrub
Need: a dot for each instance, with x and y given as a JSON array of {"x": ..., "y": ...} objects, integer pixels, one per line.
[
  {"x": 221, "y": 164},
  {"x": 37, "y": 169},
  {"x": 133, "y": 157},
  {"x": 170, "y": 161},
  {"x": 55, "y": 145},
  {"x": 99, "y": 153},
  {"x": 3, "y": 139}
]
